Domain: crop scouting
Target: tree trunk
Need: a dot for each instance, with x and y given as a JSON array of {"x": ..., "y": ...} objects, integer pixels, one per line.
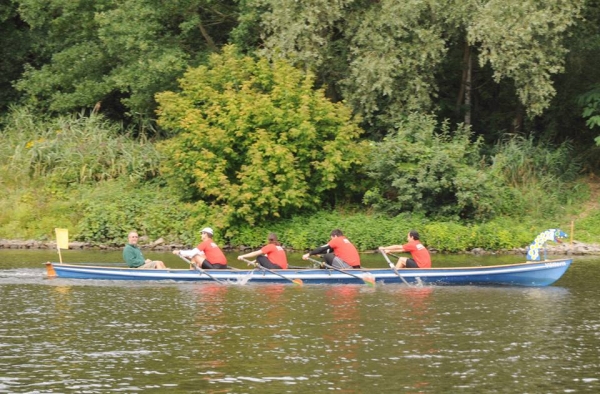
[
  {"x": 468, "y": 89},
  {"x": 464, "y": 94},
  {"x": 209, "y": 41}
]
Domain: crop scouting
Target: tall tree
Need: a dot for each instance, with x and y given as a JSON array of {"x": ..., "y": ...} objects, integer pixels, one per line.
[
  {"x": 14, "y": 47},
  {"x": 394, "y": 51},
  {"x": 115, "y": 55},
  {"x": 524, "y": 41}
]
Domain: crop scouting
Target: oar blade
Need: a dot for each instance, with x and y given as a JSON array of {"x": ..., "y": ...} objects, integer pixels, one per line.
[
  {"x": 369, "y": 279},
  {"x": 298, "y": 282}
]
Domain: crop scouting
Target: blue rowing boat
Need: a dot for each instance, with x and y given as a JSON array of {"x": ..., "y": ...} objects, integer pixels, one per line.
[{"x": 531, "y": 273}]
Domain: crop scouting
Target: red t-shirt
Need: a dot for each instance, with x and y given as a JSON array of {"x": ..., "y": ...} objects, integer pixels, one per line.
[
  {"x": 212, "y": 252},
  {"x": 419, "y": 253},
  {"x": 344, "y": 249},
  {"x": 276, "y": 255}
]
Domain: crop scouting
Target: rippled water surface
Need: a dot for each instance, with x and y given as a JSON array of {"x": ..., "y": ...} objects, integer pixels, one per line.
[{"x": 81, "y": 336}]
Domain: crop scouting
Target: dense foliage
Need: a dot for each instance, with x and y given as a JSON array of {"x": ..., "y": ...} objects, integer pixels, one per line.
[
  {"x": 72, "y": 149},
  {"x": 116, "y": 54},
  {"x": 483, "y": 62},
  {"x": 437, "y": 173},
  {"x": 108, "y": 220},
  {"x": 255, "y": 140},
  {"x": 474, "y": 116},
  {"x": 391, "y": 51}
]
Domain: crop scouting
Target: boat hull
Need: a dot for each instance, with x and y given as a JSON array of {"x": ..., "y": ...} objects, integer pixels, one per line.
[{"x": 542, "y": 273}]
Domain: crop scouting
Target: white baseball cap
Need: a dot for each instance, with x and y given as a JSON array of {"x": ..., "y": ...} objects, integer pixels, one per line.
[{"x": 207, "y": 230}]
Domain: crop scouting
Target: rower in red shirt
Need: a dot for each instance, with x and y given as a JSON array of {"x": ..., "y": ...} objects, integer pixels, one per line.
[
  {"x": 420, "y": 257},
  {"x": 339, "y": 252},
  {"x": 207, "y": 254},
  {"x": 271, "y": 256}
]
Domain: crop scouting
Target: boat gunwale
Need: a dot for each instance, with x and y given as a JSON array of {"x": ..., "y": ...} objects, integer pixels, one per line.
[{"x": 376, "y": 269}]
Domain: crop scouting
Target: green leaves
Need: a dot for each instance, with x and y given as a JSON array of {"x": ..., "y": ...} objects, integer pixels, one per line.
[
  {"x": 109, "y": 212},
  {"x": 256, "y": 139},
  {"x": 119, "y": 53},
  {"x": 590, "y": 102},
  {"x": 75, "y": 149},
  {"x": 388, "y": 58},
  {"x": 436, "y": 172},
  {"x": 523, "y": 41}
]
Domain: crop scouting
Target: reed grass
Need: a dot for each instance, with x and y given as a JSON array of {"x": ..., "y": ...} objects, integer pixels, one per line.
[
  {"x": 74, "y": 149},
  {"x": 543, "y": 178}
]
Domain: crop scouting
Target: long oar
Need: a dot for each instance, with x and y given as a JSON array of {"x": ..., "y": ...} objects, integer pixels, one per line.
[
  {"x": 392, "y": 266},
  {"x": 297, "y": 281},
  {"x": 368, "y": 281},
  {"x": 201, "y": 270}
]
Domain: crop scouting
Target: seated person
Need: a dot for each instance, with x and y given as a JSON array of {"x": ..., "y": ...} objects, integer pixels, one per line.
[
  {"x": 271, "y": 256},
  {"x": 207, "y": 254},
  {"x": 133, "y": 255},
  {"x": 344, "y": 255}
]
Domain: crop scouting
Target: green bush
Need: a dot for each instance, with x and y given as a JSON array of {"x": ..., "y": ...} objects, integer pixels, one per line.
[
  {"x": 427, "y": 168},
  {"x": 110, "y": 212},
  {"x": 256, "y": 141},
  {"x": 33, "y": 212},
  {"x": 542, "y": 178},
  {"x": 446, "y": 237},
  {"x": 587, "y": 229},
  {"x": 501, "y": 234}
]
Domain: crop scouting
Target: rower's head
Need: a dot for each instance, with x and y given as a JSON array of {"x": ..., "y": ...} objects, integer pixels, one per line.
[
  {"x": 206, "y": 232},
  {"x": 132, "y": 237},
  {"x": 413, "y": 234},
  {"x": 336, "y": 233},
  {"x": 272, "y": 239}
]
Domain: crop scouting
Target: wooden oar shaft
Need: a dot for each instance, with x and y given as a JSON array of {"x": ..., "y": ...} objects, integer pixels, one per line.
[
  {"x": 200, "y": 269},
  {"x": 392, "y": 266},
  {"x": 294, "y": 281},
  {"x": 338, "y": 270}
]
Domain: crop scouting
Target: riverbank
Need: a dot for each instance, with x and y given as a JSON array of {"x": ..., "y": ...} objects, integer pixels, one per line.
[{"x": 566, "y": 248}]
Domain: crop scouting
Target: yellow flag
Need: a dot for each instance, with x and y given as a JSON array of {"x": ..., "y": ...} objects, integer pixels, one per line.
[{"x": 62, "y": 238}]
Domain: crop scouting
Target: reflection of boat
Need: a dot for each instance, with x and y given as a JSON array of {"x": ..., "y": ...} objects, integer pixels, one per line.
[{"x": 533, "y": 273}]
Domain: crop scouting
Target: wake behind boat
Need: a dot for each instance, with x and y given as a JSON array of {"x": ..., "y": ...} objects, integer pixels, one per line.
[{"x": 531, "y": 273}]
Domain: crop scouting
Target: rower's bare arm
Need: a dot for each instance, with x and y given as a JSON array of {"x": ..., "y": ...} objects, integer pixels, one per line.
[
  {"x": 392, "y": 249},
  {"x": 250, "y": 255}
]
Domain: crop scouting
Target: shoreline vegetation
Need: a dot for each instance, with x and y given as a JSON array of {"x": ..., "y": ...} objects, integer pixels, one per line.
[
  {"x": 70, "y": 172},
  {"x": 248, "y": 127}
]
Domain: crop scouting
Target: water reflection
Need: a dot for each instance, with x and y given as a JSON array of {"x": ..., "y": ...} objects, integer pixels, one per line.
[
  {"x": 342, "y": 337},
  {"x": 105, "y": 336}
]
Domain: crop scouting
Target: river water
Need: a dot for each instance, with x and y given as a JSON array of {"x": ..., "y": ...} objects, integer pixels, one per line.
[{"x": 78, "y": 336}]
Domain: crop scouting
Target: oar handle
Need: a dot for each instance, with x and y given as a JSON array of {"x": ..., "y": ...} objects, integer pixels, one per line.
[
  {"x": 320, "y": 263},
  {"x": 385, "y": 256},
  {"x": 254, "y": 263}
]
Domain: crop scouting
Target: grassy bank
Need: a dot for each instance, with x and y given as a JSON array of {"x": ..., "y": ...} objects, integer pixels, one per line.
[
  {"x": 103, "y": 213},
  {"x": 88, "y": 175}
]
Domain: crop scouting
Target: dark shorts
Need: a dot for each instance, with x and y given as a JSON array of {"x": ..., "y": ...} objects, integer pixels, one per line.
[
  {"x": 338, "y": 263},
  {"x": 265, "y": 262},
  {"x": 410, "y": 263},
  {"x": 208, "y": 265}
]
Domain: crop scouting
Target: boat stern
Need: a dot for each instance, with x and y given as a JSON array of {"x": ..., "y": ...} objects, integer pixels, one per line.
[{"x": 50, "y": 270}]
